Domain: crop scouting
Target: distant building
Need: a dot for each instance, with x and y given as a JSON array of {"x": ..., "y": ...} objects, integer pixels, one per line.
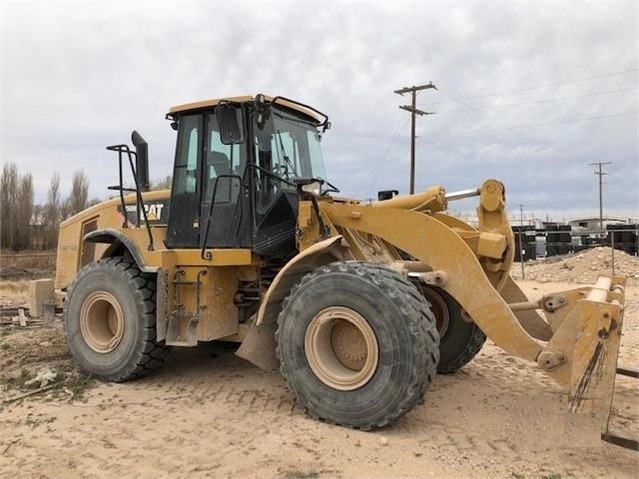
[
  {"x": 590, "y": 225},
  {"x": 37, "y": 231}
]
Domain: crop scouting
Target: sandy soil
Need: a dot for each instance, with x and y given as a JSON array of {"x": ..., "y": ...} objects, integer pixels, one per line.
[{"x": 210, "y": 414}]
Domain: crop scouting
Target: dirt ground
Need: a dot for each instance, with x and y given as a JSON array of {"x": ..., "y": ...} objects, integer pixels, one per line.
[{"x": 208, "y": 413}]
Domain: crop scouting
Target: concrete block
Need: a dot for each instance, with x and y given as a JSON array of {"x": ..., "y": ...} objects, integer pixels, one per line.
[{"x": 40, "y": 291}]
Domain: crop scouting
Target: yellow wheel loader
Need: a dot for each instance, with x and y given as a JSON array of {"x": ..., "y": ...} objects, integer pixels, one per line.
[{"x": 358, "y": 304}]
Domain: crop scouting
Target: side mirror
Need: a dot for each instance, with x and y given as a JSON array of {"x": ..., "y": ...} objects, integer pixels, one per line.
[
  {"x": 173, "y": 120},
  {"x": 230, "y": 128}
]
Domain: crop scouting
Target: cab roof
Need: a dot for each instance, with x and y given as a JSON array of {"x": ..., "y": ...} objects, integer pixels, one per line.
[{"x": 203, "y": 104}]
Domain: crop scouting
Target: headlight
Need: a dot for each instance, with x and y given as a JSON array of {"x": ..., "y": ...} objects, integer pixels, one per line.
[{"x": 313, "y": 189}]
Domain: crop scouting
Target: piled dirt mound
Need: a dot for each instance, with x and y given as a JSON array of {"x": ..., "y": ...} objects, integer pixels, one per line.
[{"x": 582, "y": 267}]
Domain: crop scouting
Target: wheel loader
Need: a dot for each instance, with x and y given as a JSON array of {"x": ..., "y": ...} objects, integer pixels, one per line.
[{"x": 359, "y": 304}]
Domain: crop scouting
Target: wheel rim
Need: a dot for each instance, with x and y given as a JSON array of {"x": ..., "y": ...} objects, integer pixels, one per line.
[
  {"x": 341, "y": 348},
  {"x": 438, "y": 308},
  {"x": 101, "y": 322}
]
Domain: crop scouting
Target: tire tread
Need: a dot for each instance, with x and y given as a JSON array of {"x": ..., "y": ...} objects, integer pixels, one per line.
[
  {"x": 421, "y": 322},
  {"x": 149, "y": 354}
]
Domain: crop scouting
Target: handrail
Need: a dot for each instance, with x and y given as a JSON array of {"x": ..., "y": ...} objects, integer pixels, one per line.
[
  {"x": 206, "y": 255},
  {"x": 138, "y": 194}
]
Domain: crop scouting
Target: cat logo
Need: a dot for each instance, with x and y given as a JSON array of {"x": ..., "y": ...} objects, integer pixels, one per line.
[{"x": 154, "y": 211}]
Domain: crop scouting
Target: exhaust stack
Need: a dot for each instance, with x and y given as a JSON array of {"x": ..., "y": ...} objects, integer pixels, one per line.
[{"x": 142, "y": 160}]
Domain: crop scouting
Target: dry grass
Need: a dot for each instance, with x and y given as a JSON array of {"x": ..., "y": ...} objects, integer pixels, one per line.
[
  {"x": 14, "y": 288},
  {"x": 27, "y": 265},
  {"x": 14, "y": 293}
]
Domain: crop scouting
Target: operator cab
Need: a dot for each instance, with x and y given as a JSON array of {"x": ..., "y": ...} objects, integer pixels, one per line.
[{"x": 237, "y": 161}]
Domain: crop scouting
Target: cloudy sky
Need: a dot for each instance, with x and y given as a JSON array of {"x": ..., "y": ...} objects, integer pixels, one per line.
[{"x": 529, "y": 93}]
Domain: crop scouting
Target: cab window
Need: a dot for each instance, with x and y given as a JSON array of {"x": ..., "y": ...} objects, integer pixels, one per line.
[
  {"x": 188, "y": 154},
  {"x": 224, "y": 163}
]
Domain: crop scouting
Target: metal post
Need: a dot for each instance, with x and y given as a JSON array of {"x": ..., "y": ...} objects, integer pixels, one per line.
[
  {"x": 412, "y": 108},
  {"x": 612, "y": 253},
  {"x": 521, "y": 251}
]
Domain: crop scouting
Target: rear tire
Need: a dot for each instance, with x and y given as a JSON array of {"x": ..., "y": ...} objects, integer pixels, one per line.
[
  {"x": 109, "y": 321},
  {"x": 460, "y": 340},
  {"x": 357, "y": 344}
]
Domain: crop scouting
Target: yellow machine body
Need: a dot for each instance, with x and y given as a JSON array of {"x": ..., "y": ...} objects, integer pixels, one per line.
[{"x": 573, "y": 335}]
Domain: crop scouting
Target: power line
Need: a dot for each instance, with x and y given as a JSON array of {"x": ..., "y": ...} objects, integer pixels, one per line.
[
  {"x": 400, "y": 124},
  {"x": 551, "y": 84},
  {"x": 488, "y": 117},
  {"x": 548, "y": 100},
  {"x": 535, "y": 125},
  {"x": 484, "y": 132}
]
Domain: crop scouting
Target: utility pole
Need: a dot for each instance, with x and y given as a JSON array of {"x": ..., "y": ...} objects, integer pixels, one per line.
[
  {"x": 412, "y": 108},
  {"x": 601, "y": 174}
]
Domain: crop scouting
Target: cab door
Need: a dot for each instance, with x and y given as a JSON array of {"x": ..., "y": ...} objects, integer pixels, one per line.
[
  {"x": 275, "y": 197},
  {"x": 225, "y": 210},
  {"x": 183, "y": 228}
]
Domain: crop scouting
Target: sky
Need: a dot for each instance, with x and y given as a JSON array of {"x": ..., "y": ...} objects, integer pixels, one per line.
[{"x": 528, "y": 93}]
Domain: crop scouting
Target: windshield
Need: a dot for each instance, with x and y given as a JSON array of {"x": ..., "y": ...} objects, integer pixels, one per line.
[{"x": 289, "y": 147}]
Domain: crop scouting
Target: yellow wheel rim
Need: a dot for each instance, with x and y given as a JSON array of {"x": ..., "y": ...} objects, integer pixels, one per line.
[
  {"x": 101, "y": 322},
  {"x": 341, "y": 348}
]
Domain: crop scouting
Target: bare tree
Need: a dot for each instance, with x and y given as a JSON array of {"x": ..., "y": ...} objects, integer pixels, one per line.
[
  {"x": 78, "y": 199},
  {"x": 162, "y": 183},
  {"x": 8, "y": 204},
  {"x": 16, "y": 207},
  {"x": 24, "y": 212},
  {"x": 52, "y": 211}
]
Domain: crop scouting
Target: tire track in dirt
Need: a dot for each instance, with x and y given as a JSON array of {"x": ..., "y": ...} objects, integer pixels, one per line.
[
  {"x": 196, "y": 377},
  {"x": 210, "y": 414}
]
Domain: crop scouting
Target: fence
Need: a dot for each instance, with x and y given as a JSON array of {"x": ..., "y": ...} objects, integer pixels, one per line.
[{"x": 555, "y": 240}]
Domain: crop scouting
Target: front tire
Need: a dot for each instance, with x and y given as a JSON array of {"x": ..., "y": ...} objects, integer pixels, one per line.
[
  {"x": 357, "y": 344},
  {"x": 109, "y": 321},
  {"x": 460, "y": 340}
]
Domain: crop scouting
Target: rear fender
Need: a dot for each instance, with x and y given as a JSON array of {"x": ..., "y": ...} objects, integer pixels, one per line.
[{"x": 118, "y": 241}]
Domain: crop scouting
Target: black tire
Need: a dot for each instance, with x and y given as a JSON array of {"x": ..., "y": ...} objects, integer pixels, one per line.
[
  {"x": 104, "y": 290},
  {"x": 461, "y": 340},
  {"x": 404, "y": 332}
]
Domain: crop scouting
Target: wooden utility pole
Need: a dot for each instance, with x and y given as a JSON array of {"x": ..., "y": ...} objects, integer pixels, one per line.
[
  {"x": 601, "y": 174},
  {"x": 412, "y": 108}
]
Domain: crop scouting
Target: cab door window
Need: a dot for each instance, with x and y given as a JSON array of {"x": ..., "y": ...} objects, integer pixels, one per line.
[
  {"x": 184, "y": 218},
  {"x": 188, "y": 155},
  {"x": 222, "y": 163}
]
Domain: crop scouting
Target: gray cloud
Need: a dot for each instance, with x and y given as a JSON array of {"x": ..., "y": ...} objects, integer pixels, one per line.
[{"x": 79, "y": 76}]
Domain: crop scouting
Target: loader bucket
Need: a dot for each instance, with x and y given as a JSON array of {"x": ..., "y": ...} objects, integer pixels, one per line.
[{"x": 593, "y": 326}]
